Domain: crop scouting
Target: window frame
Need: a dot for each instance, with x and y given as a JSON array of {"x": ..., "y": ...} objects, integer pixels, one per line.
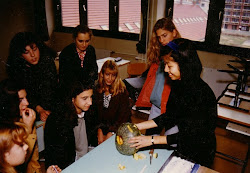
[
  {"x": 113, "y": 31},
  {"x": 213, "y": 31}
]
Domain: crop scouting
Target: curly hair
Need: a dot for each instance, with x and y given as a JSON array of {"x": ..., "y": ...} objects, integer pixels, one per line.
[
  {"x": 81, "y": 29},
  {"x": 153, "y": 53},
  {"x": 117, "y": 86},
  {"x": 15, "y": 62},
  {"x": 10, "y": 134}
]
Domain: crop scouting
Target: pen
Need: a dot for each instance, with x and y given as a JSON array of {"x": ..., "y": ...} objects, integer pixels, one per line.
[{"x": 54, "y": 168}]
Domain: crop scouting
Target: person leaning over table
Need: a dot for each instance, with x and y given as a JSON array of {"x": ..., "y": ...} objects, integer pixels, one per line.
[
  {"x": 112, "y": 101},
  {"x": 156, "y": 90},
  {"x": 31, "y": 62},
  {"x": 72, "y": 127},
  {"x": 14, "y": 108},
  {"x": 77, "y": 61},
  {"x": 191, "y": 105}
]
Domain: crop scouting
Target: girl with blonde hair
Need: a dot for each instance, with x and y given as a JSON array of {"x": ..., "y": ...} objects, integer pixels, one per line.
[
  {"x": 112, "y": 101},
  {"x": 13, "y": 148}
]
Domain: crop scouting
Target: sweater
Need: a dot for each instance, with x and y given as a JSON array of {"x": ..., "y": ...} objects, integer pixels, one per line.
[
  {"x": 193, "y": 109},
  {"x": 70, "y": 69},
  {"x": 40, "y": 81},
  {"x": 60, "y": 147},
  {"x": 117, "y": 113}
]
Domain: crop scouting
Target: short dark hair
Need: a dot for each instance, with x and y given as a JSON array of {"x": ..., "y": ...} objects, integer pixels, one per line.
[
  {"x": 81, "y": 29},
  {"x": 78, "y": 87}
]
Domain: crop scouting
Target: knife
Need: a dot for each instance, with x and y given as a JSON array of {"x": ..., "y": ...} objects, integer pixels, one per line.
[{"x": 151, "y": 155}]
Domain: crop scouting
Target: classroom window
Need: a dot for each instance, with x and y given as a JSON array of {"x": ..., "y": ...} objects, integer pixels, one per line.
[
  {"x": 70, "y": 13},
  {"x": 108, "y": 18},
  {"x": 130, "y": 16},
  {"x": 97, "y": 20},
  {"x": 216, "y": 26},
  {"x": 235, "y": 34},
  {"x": 189, "y": 17}
]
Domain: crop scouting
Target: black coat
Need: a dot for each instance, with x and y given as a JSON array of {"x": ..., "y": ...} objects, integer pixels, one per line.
[
  {"x": 70, "y": 69},
  {"x": 59, "y": 135},
  {"x": 40, "y": 80},
  {"x": 193, "y": 108}
]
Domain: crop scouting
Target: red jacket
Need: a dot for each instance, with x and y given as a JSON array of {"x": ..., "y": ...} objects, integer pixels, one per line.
[{"x": 144, "y": 97}]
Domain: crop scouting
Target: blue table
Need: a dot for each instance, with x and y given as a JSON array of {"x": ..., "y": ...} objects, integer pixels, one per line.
[{"x": 105, "y": 159}]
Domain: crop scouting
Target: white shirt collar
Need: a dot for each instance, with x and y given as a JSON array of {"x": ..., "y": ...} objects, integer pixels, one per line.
[{"x": 81, "y": 115}]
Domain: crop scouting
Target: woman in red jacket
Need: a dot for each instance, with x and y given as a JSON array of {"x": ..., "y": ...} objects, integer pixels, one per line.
[{"x": 155, "y": 91}]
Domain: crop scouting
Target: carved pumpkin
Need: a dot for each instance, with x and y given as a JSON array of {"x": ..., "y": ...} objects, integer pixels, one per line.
[{"x": 124, "y": 132}]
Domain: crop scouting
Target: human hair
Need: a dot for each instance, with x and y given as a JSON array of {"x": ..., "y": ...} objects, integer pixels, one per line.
[
  {"x": 117, "y": 86},
  {"x": 153, "y": 53},
  {"x": 17, "y": 46},
  {"x": 9, "y": 100},
  {"x": 81, "y": 29},
  {"x": 79, "y": 87},
  {"x": 10, "y": 134},
  {"x": 66, "y": 106},
  {"x": 186, "y": 56}
]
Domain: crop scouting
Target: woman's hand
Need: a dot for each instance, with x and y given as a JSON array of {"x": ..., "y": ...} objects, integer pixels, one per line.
[
  {"x": 100, "y": 136},
  {"x": 43, "y": 113},
  {"x": 53, "y": 169},
  {"x": 28, "y": 118},
  {"x": 140, "y": 141},
  {"x": 109, "y": 134}
]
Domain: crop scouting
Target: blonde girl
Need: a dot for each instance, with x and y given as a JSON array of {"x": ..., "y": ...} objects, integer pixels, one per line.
[
  {"x": 13, "y": 147},
  {"x": 112, "y": 101}
]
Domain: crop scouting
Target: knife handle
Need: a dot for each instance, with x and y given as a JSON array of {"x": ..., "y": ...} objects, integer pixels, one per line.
[{"x": 151, "y": 151}]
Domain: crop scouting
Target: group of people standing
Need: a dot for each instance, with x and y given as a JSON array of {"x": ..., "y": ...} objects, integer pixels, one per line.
[{"x": 83, "y": 108}]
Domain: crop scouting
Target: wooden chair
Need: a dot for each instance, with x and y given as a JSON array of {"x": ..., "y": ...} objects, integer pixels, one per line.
[{"x": 136, "y": 69}]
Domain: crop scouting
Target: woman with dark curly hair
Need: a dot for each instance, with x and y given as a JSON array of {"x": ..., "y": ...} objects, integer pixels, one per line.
[
  {"x": 31, "y": 62},
  {"x": 191, "y": 106}
]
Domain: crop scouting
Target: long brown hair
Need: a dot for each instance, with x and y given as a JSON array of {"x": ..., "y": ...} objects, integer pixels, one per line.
[
  {"x": 117, "y": 86},
  {"x": 10, "y": 134},
  {"x": 153, "y": 53}
]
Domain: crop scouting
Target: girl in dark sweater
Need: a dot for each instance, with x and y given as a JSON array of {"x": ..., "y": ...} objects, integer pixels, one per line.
[
  {"x": 191, "y": 106},
  {"x": 77, "y": 61},
  {"x": 71, "y": 127}
]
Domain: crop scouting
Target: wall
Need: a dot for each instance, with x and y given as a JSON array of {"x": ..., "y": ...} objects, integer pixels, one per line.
[
  {"x": 59, "y": 40},
  {"x": 16, "y": 16}
]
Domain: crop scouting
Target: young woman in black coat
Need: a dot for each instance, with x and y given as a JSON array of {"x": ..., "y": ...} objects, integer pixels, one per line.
[
  {"x": 191, "y": 106},
  {"x": 77, "y": 61},
  {"x": 71, "y": 128},
  {"x": 31, "y": 62}
]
